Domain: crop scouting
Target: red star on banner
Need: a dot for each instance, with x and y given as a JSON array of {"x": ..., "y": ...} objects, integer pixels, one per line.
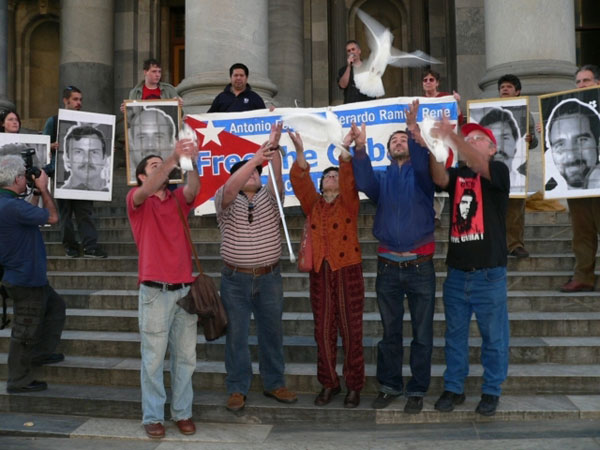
[{"x": 216, "y": 156}]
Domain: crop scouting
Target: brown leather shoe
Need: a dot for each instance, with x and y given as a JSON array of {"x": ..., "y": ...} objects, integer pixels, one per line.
[
  {"x": 186, "y": 426},
  {"x": 155, "y": 430},
  {"x": 352, "y": 399},
  {"x": 326, "y": 395},
  {"x": 282, "y": 394},
  {"x": 576, "y": 286},
  {"x": 519, "y": 253},
  {"x": 236, "y": 402}
]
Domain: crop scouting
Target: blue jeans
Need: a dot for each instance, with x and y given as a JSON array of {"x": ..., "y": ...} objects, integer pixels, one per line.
[
  {"x": 164, "y": 324},
  {"x": 417, "y": 282},
  {"x": 482, "y": 292},
  {"x": 244, "y": 294}
]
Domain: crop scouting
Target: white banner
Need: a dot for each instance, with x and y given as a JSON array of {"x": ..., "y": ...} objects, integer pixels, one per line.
[{"x": 220, "y": 144}]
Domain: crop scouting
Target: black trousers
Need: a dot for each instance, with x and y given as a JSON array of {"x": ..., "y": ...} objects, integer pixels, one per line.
[
  {"x": 38, "y": 321},
  {"x": 83, "y": 210}
]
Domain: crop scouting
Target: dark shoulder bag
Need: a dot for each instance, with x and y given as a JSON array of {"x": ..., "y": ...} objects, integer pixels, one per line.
[{"x": 203, "y": 298}]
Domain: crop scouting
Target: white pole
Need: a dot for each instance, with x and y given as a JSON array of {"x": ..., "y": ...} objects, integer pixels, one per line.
[{"x": 287, "y": 235}]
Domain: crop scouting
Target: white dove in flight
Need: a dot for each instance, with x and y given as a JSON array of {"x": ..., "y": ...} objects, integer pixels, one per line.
[
  {"x": 316, "y": 129},
  {"x": 367, "y": 76}
]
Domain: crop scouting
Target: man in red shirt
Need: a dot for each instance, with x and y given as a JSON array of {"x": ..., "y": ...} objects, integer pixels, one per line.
[
  {"x": 165, "y": 274},
  {"x": 151, "y": 88}
]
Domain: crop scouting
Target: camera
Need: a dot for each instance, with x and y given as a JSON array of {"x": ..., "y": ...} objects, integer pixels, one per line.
[{"x": 31, "y": 172}]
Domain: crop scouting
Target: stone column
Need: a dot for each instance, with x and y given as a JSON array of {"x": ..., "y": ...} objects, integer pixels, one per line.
[
  {"x": 86, "y": 61},
  {"x": 5, "y": 103},
  {"x": 534, "y": 40},
  {"x": 337, "y": 48},
  {"x": 286, "y": 55},
  {"x": 219, "y": 33}
]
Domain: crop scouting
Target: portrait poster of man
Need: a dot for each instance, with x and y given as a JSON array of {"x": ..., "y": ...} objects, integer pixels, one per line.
[
  {"x": 467, "y": 211},
  {"x": 37, "y": 145},
  {"x": 507, "y": 118},
  {"x": 151, "y": 128},
  {"x": 571, "y": 137},
  {"x": 84, "y": 169},
  {"x": 16, "y": 144}
]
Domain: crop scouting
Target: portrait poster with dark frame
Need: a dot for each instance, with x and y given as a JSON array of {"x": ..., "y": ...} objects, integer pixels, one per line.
[
  {"x": 571, "y": 143},
  {"x": 151, "y": 128}
]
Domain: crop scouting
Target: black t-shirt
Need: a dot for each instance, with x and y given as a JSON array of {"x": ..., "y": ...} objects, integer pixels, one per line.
[
  {"x": 351, "y": 93},
  {"x": 478, "y": 217}
]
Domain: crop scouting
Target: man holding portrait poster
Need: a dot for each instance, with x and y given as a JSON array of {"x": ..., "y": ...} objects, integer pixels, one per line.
[
  {"x": 510, "y": 86},
  {"x": 151, "y": 88},
  {"x": 82, "y": 209},
  {"x": 572, "y": 134}
]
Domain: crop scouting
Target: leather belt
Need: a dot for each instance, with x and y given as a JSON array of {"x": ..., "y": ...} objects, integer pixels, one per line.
[
  {"x": 165, "y": 286},
  {"x": 405, "y": 264},
  {"x": 256, "y": 271}
]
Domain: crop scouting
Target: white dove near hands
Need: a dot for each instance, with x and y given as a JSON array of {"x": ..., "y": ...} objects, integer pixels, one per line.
[
  {"x": 438, "y": 147},
  {"x": 367, "y": 76},
  {"x": 187, "y": 132},
  {"x": 316, "y": 129}
]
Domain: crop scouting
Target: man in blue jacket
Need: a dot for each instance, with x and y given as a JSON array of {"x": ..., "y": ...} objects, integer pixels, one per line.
[
  {"x": 38, "y": 312},
  {"x": 237, "y": 95},
  {"x": 404, "y": 226}
]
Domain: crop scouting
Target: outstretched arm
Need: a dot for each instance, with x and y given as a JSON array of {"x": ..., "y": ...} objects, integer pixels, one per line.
[
  {"x": 276, "y": 161},
  {"x": 183, "y": 147}
]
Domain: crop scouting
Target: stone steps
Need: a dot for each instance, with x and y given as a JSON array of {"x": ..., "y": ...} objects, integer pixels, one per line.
[
  {"x": 129, "y": 263},
  {"x": 522, "y": 324},
  {"x": 292, "y": 281},
  {"x": 298, "y": 301},
  {"x": 208, "y": 406},
  {"x": 300, "y": 349},
  {"x": 523, "y": 379},
  {"x": 124, "y": 246},
  {"x": 295, "y": 225},
  {"x": 555, "y": 338}
]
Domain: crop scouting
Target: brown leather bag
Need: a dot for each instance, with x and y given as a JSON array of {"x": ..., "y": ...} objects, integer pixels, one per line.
[{"x": 203, "y": 298}]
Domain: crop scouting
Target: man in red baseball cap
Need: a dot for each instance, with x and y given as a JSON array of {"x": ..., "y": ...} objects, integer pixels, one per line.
[{"x": 477, "y": 255}]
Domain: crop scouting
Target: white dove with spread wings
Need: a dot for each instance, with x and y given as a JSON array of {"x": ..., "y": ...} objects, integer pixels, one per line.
[
  {"x": 367, "y": 76},
  {"x": 316, "y": 129}
]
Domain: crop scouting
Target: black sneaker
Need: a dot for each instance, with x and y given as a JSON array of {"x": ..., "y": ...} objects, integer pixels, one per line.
[
  {"x": 414, "y": 405},
  {"x": 94, "y": 253},
  {"x": 52, "y": 358},
  {"x": 487, "y": 405},
  {"x": 72, "y": 252},
  {"x": 383, "y": 400},
  {"x": 448, "y": 400},
  {"x": 34, "y": 386}
]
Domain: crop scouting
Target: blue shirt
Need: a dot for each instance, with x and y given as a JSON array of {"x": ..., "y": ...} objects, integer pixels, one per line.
[
  {"x": 227, "y": 101},
  {"x": 22, "y": 249},
  {"x": 404, "y": 219}
]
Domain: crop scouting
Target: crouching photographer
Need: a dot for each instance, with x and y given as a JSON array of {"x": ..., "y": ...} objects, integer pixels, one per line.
[{"x": 38, "y": 311}]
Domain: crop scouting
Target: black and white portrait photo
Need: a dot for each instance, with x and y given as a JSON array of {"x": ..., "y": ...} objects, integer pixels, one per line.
[
  {"x": 84, "y": 156},
  {"x": 35, "y": 144},
  {"x": 151, "y": 129},
  {"x": 33, "y": 148},
  {"x": 571, "y": 130},
  {"x": 508, "y": 121}
]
